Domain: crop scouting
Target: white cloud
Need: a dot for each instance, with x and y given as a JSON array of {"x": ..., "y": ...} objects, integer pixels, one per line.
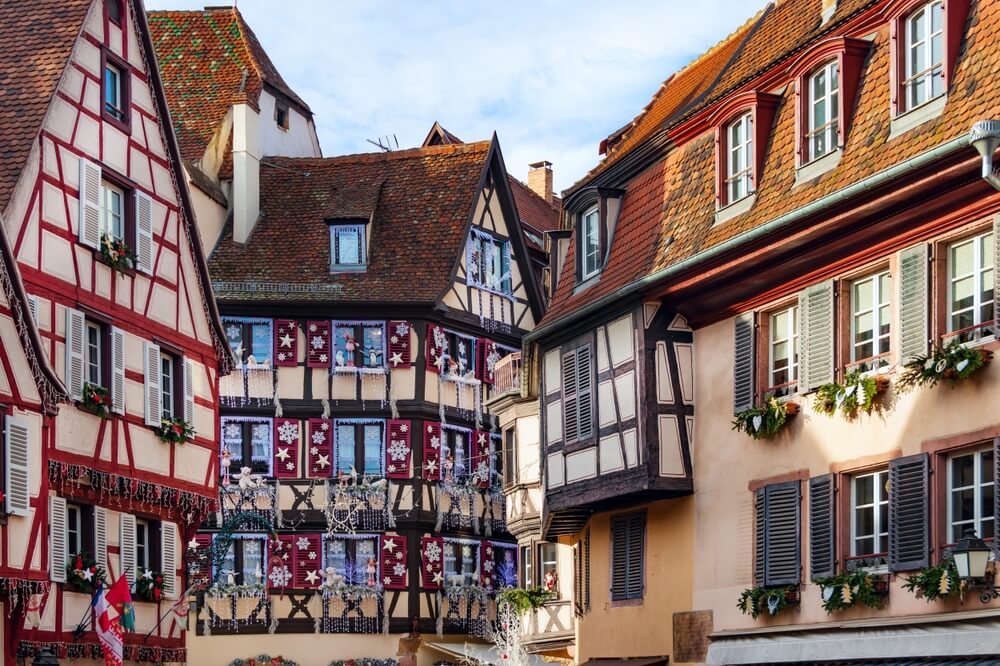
[{"x": 552, "y": 78}]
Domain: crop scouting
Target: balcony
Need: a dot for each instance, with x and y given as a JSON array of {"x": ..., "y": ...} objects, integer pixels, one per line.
[
  {"x": 550, "y": 627},
  {"x": 507, "y": 374}
]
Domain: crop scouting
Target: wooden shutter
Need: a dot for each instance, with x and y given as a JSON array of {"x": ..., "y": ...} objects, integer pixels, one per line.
[
  {"x": 586, "y": 570},
  {"x": 399, "y": 344},
  {"x": 144, "y": 250},
  {"x": 17, "y": 443},
  {"x": 571, "y": 413},
  {"x": 487, "y": 565},
  {"x": 320, "y": 448},
  {"x": 636, "y": 552},
  {"x": 577, "y": 579},
  {"x": 627, "y": 556},
  {"x": 913, "y": 302},
  {"x": 318, "y": 344},
  {"x": 281, "y": 561},
  {"x": 485, "y": 351},
  {"x": 101, "y": 537},
  {"x": 307, "y": 558},
  {"x": 432, "y": 451},
  {"x": 432, "y": 358},
  {"x": 743, "y": 363},
  {"x": 33, "y": 307},
  {"x": 432, "y": 563},
  {"x": 816, "y": 336},
  {"x": 286, "y": 448},
  {"x": 154, "y": 407},
  {"x": 759, "y": 537},
  {"x": 169, "y": 557},
  {"x": 482, "y": 450},
  {"x": 90, "y": 204},
  {"x": 822, "y": 528},
  {"x": 782, "y": 540},
  {"x": 392, "y": 556},
  {"x": 75, "y": 333},
  {"x": 996, "y": 496},
  {"x": 398, "y": 451},
  {"x": 584, "y": 393},
  {"x": 286, "y": 343},
  {"x": 199, "y": 563},
  {"x": 909, "y": 538},
  {"x": 189, "y": 391},
  {"x": 58, "y": 557},
  {"x": 126, "y": 546},
  {"x": 117, "y": 370}
]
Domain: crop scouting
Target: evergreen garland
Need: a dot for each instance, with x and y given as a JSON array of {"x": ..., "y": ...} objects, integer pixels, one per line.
[
  {"x": 852, "y": 588},
  {"x": 938, "y": 581},
  {"x": 765, "y": 421},
  {"x": 953, "y": 362},
  {"x": 771, "y": 600}
]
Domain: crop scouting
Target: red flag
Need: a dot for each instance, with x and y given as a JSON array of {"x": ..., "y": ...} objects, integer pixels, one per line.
[
  {"x": 120, "y": 597},
  {"x": 109, "y": 631}
]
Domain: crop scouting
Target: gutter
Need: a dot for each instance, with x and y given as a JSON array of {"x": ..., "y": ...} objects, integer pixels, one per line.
[{"x": 778, "y": 223}]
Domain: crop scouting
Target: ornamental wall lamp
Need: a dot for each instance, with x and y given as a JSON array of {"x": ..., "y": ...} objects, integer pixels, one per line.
[{"x": 971, "y": 557}]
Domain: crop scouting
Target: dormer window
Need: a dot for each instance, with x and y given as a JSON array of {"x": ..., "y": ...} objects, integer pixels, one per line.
[
  {"x": 348, "y": 251},
  {"x": 739, "y": 181},
  {"x": 824, "y": 111},
  {"x": 115, "y": 92},
  {"x": 924, "y": 54},
  {"x": 115, "y": 11},
  {"x": 590, "y": 244},
  {"x": 594, "y": 214},
  {"x": 489, "y": 264},
  {"x": 281, "y": 114}
]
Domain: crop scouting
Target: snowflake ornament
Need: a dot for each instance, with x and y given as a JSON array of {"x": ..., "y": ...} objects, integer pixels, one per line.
[
  {"x": 232, "y": 431},
  {"x": 313, "y": 450},
  {"x": 280, "y": 576},
  {"x": 317, "y": 342},
  {"x": 288, "y": 432},
  {"x": 318, "y": 437},
  {"x": 398, "y": 569},
  {"x": 233, "y": 331},
  {"x": 398, "y": 450},
  {"x": 303, "y": 543},
  {"x": 433, "y": 552}
]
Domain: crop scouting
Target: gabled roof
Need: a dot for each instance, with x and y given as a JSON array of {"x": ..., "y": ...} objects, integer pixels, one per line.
[
  {"x": 537, "y": 215},
  {"x": 668, "y": 213},
  {"x": 439, "y": 136},
  {"x": 37, "y": 39},
  {"x": 209, "y": 60}
]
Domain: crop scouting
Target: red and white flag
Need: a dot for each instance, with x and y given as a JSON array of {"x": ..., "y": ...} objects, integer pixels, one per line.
[{"x": 109, "y": 630}]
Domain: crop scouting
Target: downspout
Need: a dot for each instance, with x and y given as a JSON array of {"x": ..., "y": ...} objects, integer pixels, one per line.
[
  {"x": 985, "y": 137},
  {"x": 778, "y": 223}
]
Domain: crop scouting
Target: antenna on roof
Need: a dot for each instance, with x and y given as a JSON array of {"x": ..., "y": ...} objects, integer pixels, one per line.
[{"x": 386, "y": 146}]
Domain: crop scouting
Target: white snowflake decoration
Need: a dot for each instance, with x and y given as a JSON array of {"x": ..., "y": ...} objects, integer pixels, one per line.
[
  {"x": 402, "y": 328},
  {"x": 313, "y": 451},
  {"x": 312, "y": 328},
  {"x": 394, "y": 339},
  {"x": 288, "y": 432},
  {"x": 433, "y": 552},
  {"x": 303, "y": 543},
  {"x": 398, "y": 450},
  {"x": 317, "y": 342},
  {"x": 281, "y": 356},
  {"x": 312, "y": 555},
  {"x": 233, "y": 331},
  {"x": 398, "y": 569},
  {"x": 280, "y": 576},
  {"x": 290, "y": 467},
  {"x": 318, "y": 437},
  {"x": 232, "y": 431},
  {"x": 323, "y": 358}
]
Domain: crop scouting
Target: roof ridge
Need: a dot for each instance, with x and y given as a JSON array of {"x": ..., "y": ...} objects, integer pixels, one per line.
[
  {"x": 420, "y": 151},
  {"x": 242, "y": 27}
]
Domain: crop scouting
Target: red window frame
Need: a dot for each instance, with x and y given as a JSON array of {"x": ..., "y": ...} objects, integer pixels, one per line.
[
  {"x": 124, "y": 123},
  {"x": 762, "y": 107}
]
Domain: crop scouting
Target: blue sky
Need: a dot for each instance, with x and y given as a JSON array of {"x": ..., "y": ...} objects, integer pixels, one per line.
[{"x": 551, "y": 78}]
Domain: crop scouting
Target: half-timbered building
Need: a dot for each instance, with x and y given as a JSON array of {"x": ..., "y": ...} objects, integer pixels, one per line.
[{"x": 123, "y": 321}]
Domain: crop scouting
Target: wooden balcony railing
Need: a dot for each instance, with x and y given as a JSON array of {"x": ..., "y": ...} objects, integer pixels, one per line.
[
  {"x": 552, "y": 621},
  {"x": 507, "y": 374}
]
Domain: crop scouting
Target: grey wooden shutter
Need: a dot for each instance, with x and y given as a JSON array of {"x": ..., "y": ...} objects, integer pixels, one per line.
[
  {"x": 909, "y": 538},
  {"x": 577, "y": 579},
  {"x": 57, "y": 539},
  {"x": 17, "y": 442},
  {"x": 822, "y": 527},
  {"x": 782, "y": 543},
  {"x": 75, "y": 330},
  {"x": 636, "y": 552},
  {"x": 584, "y": 393},
  {"x": 168, "y": 556},
  {"x": 760, "y": 532},
  {"x": 144, "y": 232},
  {"x": 627, "y": 557},
  {"x": 101, "y": 536},
  {"x": 189, "y": 391},
  {"x": 743, "y": 363},
  {"x": 913, "y": 302},
  {"x": 816, "y": 336},
  {"x": 126, "y": 546},
  {"x": 996, "y": 293},
  {"x": 117, "y": 371},
  {"x": 571, "y": 414},
  {"x": 89, "y": 221},
  {"x": 154, "y": 406}
]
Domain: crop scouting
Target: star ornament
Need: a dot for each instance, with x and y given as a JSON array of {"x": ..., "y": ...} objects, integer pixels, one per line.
[
  {"x": 311, "y": 577},
  {"x": 148, "y": 575},
  {"x": 396, "y": 358},
  {"x": 390, "y": 545},
  {"x": 286, "y": 340},
  {"x": 282, "y": 454},
  {"x": 193, "y": 544},
  {"x": 87, "y": 574},
  {"x": 438, "y": 578},
  {"x": 323, "y": 461}
]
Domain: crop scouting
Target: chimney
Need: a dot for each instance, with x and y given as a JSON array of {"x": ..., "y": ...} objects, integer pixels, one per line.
[
  {"x": 246, "y": 171},
  {"x": 540, "y": 179},
  {"x": 829, "y": 7}
]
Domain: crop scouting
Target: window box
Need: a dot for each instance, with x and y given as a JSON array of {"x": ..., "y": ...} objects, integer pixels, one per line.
[
  {"x": 854, "y": 588},
  {"x": 953, "y": 362},
  {"x": 117, "y": 254},
  {"x": 83, "y": 573},
  {"x": 938, "y": 581},
  {"x": 175, "y": 431},
  {"x": 859, "y": 392},
  {"x": 96, "y": 400},
  {"x": 771, "y": 600},
  {"x": 766, "y": 421},
  {"x": 149, "y": 586}
]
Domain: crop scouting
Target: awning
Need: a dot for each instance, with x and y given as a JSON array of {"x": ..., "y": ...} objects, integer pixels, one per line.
[
  {"x": 477, "y": 653},
  {"x": 972, "y": 640}
]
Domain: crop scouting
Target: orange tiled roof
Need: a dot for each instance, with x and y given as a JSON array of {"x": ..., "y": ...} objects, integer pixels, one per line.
[
  {"x": 668, "y": 213},
  {"x": 534, "y": 211}
]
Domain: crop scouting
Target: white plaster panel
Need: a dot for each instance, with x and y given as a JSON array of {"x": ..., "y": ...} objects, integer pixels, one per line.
[
  {"x": 92, "y": 96},
  {"x": 153, "y": 137},
  {"x": 70, "y": 167},
  {"x": 602, "y": 350},
  {"x": 664, "y": 385},
  {"x": 53, "y": 206},
  {"x": 671, "y": 458},
  {"x": 88, "y": 57},
  {"x": 649, "y": 311},
  {"x": 631, "y": 447},
  {"x": 50, "y": 164},
  {"x": 163, "y": 307},
  {"x": 115, "y": 148},
  {"x": 149, "y": 452},
  {"x": 528, "y": 448},
  {"x": 553, "y": 422},
  {"x": 72, "y": 83},
  {"x": 162, "y": 184},
  {"x": 84, "y": 261},
  {"x": 166, "y": 266},
  {"x": 192, "y": 465},
  {"x": 141, "y": 288},
  {"x": 57, "y": 256},
  {"x": 620, "y": 340},
  {"x": 611, "y": 454},
  {"x": 140, "y": 169},
  {"x": 88, "y": 136},
  {"x": 685, "y": 368},
  {"x": 554, "y": 469},
  {"x": 606, "y": 403},
  {"x": 689, "y": 420},
  {"x": 581, "y": 465},
  {"x": 28, "y": 252},
  {"x": 18, "y": 362},
  {"x": 625, "y": 390},
  {"x": 62, "y": 118},
  {"x": 184, "y": 324},
  {"x": 140, "y": 95},
  {"x": 679, "y": 323},
  {"x": 553, "y": 375}
]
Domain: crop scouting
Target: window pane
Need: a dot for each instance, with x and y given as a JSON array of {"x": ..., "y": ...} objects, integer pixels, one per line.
[
  {"x": 260, "y": 344},
  {"x": 963, "y": 503},
  {"x": 864, "y": 492},
  {"x": 373, "y": 449},
  {"x": 986, "y": 467},
  {"x": 962, "y": 469},
  {"x": 252, "y": 560},
  {"x": 345, "y": 447},
  {"x": 372, "y": 340},
  {"x": 348, "y": 245},
  {"x": 336, "y": 554},
  {"x": 261, "y": 442},
  {"x": 234, "y": 335},
  {"x": 962, "y": 258}
]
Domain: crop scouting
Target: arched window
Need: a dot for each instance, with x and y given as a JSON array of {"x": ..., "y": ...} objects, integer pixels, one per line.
[{"x": 823, "y": 111}]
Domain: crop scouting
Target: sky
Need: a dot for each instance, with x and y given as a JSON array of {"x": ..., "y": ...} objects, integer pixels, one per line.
[{"x": 551, "y": 78}]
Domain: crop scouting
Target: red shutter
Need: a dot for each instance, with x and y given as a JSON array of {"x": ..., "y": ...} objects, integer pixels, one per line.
[
  {"x": 281, "y": 562},
  {"x": 487, "y": 564},
  {"x": 481, "y": 452},
  {"x": 318, "y": 344},
  {"x": 432, "y": 451},
  {"x": 481, "y": 346},
  {"x": 393, "y": 562},
  {"x": 286, "y": 449},
  {"x": 398, "y": 451},
  {"x": 399, "y": 343},
  {"x": 286, "y": 343},
  {"x": 432, "y": 563},
  {"x": 200, "y": 564},
  {"x": 306, "y": 556},
  {"x": 433, "y": 350},
  {"x": 319, "y": 449}
]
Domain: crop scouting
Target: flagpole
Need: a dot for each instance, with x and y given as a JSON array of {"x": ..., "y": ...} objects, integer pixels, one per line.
[
  {"x": 169, "y": 610},
  {"x": 79, "y": 631}
]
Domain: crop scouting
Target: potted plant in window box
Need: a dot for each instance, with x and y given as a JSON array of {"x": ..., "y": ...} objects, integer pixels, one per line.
[
  {"x": 952, "y": 362},
  {"x": 83, "y": 574},
  {"x": 852, "y": 588},
  {"x": 765, "y": 421},
  {"x": 117, "y": 254},
  {"x": 96, "y": 400},
  {"x": 938, "y": 581},
  {"x": 175, "y": 431},
  {"x": 149, "y": 585},
  {"x": 858, "y": 392},
  {"x": 771, "y": 600}
]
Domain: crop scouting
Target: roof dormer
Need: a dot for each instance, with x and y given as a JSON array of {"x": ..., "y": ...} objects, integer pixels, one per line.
[{"x": 593, "y": 214}]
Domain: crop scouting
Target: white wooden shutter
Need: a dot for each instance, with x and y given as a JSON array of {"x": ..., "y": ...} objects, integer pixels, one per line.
[
  {"x": 144, "y": 232},
  {"x": 75, "y": 329},
  {"x": 913, "y": 302},
  {"x": 126, "y": 546},
  {"x": 33, "y": 307},
  {"x": 90, "y": 204},
  {"x": 16, "y": 468},
  {"x": 154, "y": 406},
  {"x": 118, "y": 371},
  {"x": 816, "y": 336},
  {"x": 168, "y": 553},
  {"x": 57, "y": 539},
  {"x": 101, "y": 536},
  {"x": 189, "y": 391}
]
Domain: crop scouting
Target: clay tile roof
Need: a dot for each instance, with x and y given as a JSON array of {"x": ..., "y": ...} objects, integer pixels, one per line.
[
  {"x": 537, "y": 215},
  {"x": 203, "y": 56},
  {"x": 668, "y": 214},
  {"x": 37, "y": 39},
  {"x": 419, "y": 201}
]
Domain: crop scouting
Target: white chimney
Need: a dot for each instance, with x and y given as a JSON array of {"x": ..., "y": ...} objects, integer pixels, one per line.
[
  {"x": 540, "y": 179},
  {"x": 246, "y": 171}
]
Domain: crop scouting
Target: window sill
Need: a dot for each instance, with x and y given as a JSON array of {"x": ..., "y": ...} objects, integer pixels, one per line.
[
  {"x": 904, "y": 122},
  {"x": 625, "y": 603},
  {"x": 587, "y": 284},
  {"x": 816, "y": 168},
  {"x": 123, "y": 125},
  {"x": 358, "y": 370},
  {"x": 735, "y": 209},
  {"x": 348, "y": 269}
]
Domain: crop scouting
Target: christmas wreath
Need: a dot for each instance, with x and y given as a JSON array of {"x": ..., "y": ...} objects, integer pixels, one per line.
[
  {"x": 175, "y": 430},
  {"x": 83, "y": 574},
  {"x": 263, "y": 660},
  {"x": 117, "y": 254},
  {"x": 96, "y": 400},
  {"x": 149, "y": 585},
  {"x": 953, "y": 362}
]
